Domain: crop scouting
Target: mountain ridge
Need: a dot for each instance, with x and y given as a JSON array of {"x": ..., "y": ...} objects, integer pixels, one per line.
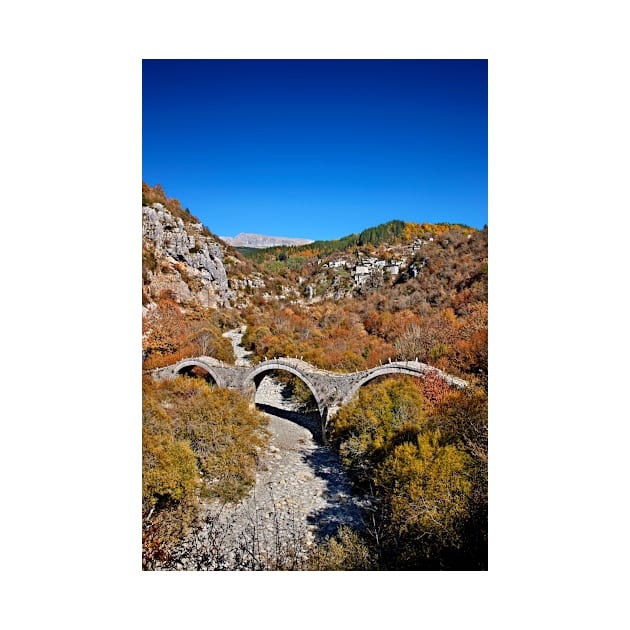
[{"x": 261, "y": 241}]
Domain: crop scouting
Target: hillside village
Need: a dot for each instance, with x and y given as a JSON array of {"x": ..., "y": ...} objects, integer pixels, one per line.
[{"x": 364, "y": 266}]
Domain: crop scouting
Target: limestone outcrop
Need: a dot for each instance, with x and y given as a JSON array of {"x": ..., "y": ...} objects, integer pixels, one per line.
[{"x": 184, "y": 259}]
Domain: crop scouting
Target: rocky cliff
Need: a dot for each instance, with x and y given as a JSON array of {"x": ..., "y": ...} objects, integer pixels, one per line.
[{"x": 184, "y": 259}]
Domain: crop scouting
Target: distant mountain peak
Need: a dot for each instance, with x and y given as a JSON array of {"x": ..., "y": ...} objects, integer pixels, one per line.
[{"x": 245, "y": 239}]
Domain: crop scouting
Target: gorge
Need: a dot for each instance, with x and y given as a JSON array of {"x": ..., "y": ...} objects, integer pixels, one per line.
[{"x": 314, "y": 407}]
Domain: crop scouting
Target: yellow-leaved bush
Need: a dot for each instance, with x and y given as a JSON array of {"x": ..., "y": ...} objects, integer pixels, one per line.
[
  {"x": 428, "y": 493},
  {"x": 198, "y": 441},
  {"x": 169, "y": 469}
]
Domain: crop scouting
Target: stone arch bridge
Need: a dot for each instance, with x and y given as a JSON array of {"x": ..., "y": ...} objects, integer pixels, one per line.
[{"x": 330, "y": 390}]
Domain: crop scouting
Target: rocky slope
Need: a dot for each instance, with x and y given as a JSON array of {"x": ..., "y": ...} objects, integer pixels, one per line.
[{"x": 183, "y": 259}]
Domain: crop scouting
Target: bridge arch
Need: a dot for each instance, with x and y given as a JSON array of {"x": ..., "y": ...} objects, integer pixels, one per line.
[
  {"x": 414, "y": 369},
  {"x": 183, "y": 366},
  {"x": 261, "y": 370}
]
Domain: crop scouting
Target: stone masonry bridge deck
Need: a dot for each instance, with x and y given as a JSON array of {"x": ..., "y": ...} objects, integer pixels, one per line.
[{"x": 331, "y": 390}]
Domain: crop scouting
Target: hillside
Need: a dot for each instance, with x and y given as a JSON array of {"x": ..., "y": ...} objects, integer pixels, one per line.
[{"x": 438, "y": 264}]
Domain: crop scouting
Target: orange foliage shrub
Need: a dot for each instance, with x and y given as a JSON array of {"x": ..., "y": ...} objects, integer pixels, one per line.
[{"x": 170, "y": 334}]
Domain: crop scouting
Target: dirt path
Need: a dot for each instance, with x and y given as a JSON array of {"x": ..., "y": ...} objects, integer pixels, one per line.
[{"x": 236, "y": 336}]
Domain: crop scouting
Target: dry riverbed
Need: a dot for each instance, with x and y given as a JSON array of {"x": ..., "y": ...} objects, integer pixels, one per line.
[{"x": 301, "y": 495}]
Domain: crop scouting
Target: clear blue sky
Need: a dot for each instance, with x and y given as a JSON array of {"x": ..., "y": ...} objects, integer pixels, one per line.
[{"x": 318, "y": 148}]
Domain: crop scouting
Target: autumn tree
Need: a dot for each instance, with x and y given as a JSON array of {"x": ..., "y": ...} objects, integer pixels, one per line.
[
  {"x": 427, "y": 489},
  {"x": 379, "y": 417},
  {"x": 165, "y": 331},
  {"x": 461, "y": 417}
]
